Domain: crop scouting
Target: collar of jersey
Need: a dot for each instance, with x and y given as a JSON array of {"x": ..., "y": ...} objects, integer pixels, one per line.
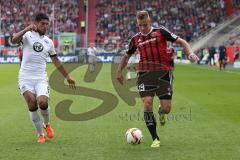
[
  {"x": 148, "y": 32},
  {"x": 38, "y": 33}
]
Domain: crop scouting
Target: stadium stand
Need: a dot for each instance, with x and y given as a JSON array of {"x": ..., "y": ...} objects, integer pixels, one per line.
[
  {"x": 15, "y": 12},
  {"x": 116, "y": 19}
]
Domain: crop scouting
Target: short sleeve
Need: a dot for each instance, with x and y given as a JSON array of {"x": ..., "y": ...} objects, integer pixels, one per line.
[
  {"x": 131, "y": 47},
  {"x": 52, "y": 51},
  {"x": 24, "y": 38},
  {"x": 168, "y": 35}
]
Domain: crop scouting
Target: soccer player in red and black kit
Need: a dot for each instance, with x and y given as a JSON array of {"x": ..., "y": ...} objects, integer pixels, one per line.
[{"x": 154, "y": 68}]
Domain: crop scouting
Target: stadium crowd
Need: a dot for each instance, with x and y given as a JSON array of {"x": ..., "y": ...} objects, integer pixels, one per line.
[
  {"x": 116, "y": 20},
  {"x": 17, "y": 14}
]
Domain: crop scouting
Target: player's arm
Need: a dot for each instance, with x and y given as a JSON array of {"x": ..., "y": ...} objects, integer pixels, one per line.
[
  {"x": 124, "y": 61},
  {"x": 187, "y": 49},
  {"x": 63, "y": 71},
  {"x": 122, "y": 65},
  {"x": 174, "y": 38},
  {"x": 18, "y": 36}
]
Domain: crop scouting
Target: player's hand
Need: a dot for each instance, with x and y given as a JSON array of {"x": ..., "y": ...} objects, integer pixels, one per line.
[
  {"x": 193, "y": 57},
  {"x": 31, "y": 27},
  {"x": 71, "y": 82},
  {"x": 120, "y": 77}
]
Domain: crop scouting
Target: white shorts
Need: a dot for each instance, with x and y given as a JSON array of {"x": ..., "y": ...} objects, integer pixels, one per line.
[
  {"x": 38, "y": 87},
  {"x": 91, "y": 59}
]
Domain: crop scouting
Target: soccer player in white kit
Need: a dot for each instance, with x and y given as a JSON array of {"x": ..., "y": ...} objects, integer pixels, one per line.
[{"x": 33, "y": 80}]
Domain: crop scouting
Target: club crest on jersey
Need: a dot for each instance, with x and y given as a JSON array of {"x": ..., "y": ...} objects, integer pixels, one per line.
[
  {"x": 154, "y": 34},
  {"x": 38, "y": 47}
]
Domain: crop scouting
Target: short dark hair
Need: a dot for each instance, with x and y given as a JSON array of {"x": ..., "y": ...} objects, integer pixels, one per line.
[
  {"x": 142, "y": 15},
  {"x": 41, "y": 16}
]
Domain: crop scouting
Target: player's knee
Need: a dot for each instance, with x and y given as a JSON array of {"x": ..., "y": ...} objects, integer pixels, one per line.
[
  {"x": 166, "y": 108},
  {"x": 148, "y": 106},
  {"x": 33, "y": 109},
  {"x": 32, "y": 105},
  {"x": 43, "y": 104}
]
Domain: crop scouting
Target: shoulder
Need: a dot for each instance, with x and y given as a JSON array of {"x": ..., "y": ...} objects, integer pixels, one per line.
[
  {"x": 28, "y": 33},
  {"x": 136, "y": 36},
  {"x": 160, "y": 28},
  {"x": 48, "y": 40}
]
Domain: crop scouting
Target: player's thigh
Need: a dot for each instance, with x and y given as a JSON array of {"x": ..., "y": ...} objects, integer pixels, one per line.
[
  {"x": 145, "y": 84},
  {"x": 26, "y": 85},
  {"x": 30, "y": 98},
  {"x": 26, "y": 88},
  {"x": 42, "y": 88},
  {"x": 165, "y": 86}
]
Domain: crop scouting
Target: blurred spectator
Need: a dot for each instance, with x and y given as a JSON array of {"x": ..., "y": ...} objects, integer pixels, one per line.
[
  {"x": 212, "y": 51},
  {"x": 222, "y": 57}
]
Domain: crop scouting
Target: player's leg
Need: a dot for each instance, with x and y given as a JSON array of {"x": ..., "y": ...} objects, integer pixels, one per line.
[
  {"x": 33, "y": 113},
  {"x": 150, "y": 119},
  {"x": 147, "y": 93},
  {"x": 43, "y": 105},
  {"x": 165, "y": 95},
  {"x": 146, "y": 89},
  {"x": 42, "y": 91},
  {"x": 164, "y": 108}
]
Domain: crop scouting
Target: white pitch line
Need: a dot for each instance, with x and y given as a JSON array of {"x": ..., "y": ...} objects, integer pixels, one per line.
[{"x": 214, "y": 69}]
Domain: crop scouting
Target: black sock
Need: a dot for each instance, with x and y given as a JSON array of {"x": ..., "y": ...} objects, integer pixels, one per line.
[{"x": 151, "y": 124}]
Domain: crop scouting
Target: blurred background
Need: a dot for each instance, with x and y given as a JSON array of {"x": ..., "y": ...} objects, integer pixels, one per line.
[{"x": 109, "y": 24}]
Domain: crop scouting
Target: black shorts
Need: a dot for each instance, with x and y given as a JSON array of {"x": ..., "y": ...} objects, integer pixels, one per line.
[{"x": 157, "y": 83}]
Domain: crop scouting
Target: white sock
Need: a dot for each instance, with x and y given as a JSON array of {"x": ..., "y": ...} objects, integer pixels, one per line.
[
  {"x": 128, "y": 75},
  {"x": 45, "y": 115},
  {"x": 36, "y": 121}
]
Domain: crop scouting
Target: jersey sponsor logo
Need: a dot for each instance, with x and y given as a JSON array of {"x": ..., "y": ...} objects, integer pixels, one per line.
[
  {"x": 38, "y": 47},
  {"x": 147, "y": 41}
]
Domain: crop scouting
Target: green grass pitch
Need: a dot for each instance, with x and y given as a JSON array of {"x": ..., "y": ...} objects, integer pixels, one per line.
[{"x": 204, "y": 122}]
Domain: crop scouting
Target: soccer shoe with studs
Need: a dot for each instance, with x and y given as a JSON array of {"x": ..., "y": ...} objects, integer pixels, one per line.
[
  {"x": 41, "y": 139},
  {"x": 156, "y": 143},
  {"x": 49, "y": 131}
]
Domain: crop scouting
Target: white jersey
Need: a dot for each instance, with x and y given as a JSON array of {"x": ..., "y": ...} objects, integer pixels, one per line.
[
  {"x": 92, "y": 51},
  {"x": 36, "y": 49}
]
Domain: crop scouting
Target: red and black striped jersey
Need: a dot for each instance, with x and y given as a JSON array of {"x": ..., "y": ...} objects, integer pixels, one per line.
[{"x": 152, "y": 49}]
